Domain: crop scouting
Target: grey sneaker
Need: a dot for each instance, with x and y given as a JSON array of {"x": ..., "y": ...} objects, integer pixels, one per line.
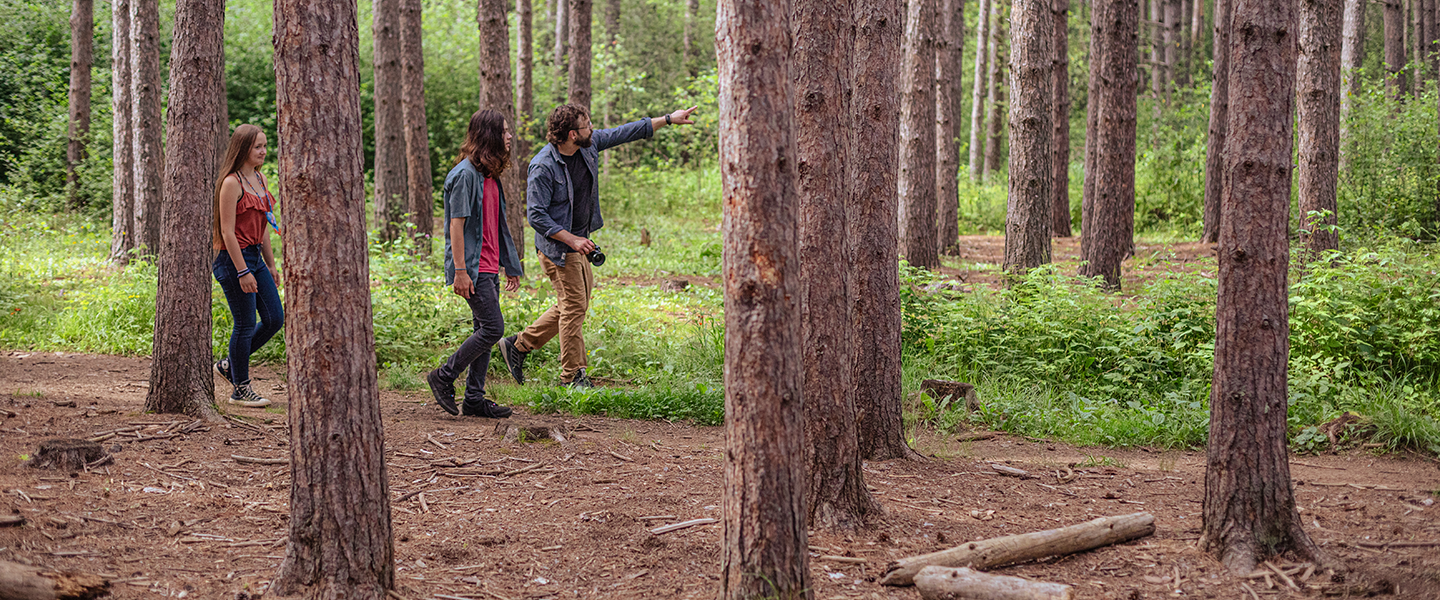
[
  {"x": 222, "y": 368},
  {"x": 514, "y": 359},
  {"x": 581, "y": 381},
  {"x": 244, "y": 395}
]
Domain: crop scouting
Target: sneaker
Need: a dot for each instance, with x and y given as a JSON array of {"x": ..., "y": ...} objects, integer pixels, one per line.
[
  {"x": 222, "y": 368},
  {"x": 514, "y": 359},
  {"x": 444, "y": 391},
  {"x": 486, "y": 408},
  {"x": 244, "y": 395},
  {"x": 580, "y": 380}
]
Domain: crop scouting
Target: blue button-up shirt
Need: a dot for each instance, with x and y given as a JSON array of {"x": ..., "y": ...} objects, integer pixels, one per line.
[{"x": 549, "y": 197}]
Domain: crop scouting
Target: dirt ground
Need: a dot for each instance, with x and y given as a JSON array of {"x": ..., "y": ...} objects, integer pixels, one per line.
[
  {"x": 179, "y": 517},
  {"x": 1148, "y": 261}
]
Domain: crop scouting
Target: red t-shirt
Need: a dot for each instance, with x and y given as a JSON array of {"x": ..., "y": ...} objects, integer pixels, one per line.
[{"x": 490, "y": 228}]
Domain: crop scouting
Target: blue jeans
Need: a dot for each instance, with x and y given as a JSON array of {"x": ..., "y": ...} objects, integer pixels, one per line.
[
  {"x": 248, "y": 336},
  {"x": 474, "y": 352}
]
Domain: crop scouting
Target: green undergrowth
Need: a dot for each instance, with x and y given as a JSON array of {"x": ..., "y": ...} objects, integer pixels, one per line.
[{"x": 701, "y": 404}]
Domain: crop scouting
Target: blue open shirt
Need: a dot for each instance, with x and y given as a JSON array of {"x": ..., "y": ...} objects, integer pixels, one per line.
[{"x": 549, "y": 195}]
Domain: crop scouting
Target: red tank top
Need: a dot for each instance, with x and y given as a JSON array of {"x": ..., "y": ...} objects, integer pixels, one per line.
[{"x": 250, "y": 215}]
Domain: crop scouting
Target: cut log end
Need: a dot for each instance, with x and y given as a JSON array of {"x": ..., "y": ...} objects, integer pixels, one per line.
[
  {"x": 21, "y": 582},
  {"x": 531, "y": 432},
  {"x": 940, "y": 389},
  {"x": 64, "y": 454}
]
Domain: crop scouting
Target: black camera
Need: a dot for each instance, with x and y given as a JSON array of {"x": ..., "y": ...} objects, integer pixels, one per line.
[{"x": 596, "y": 257}]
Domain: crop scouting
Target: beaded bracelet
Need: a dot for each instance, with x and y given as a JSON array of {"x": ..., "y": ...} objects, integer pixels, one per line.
[{"x": 242, "y": 273}]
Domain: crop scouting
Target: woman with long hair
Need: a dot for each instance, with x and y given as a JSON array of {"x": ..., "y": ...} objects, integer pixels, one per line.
[
  {"x": 477, "y": 245},
  {"x": 244, "y": 264}
]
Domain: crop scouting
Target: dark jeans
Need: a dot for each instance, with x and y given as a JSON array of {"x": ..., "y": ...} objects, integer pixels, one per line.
[
  {"x": 474, "y": 352},
  {"x": 248, "y": 336}
]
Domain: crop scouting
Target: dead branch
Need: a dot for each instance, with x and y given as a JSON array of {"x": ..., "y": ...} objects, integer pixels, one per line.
[{"x": 937, "y": 583}]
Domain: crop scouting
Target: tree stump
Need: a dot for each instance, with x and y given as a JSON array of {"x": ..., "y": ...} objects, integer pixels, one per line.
[
  {"x": 19, "y": 582},
  {"x": 946, "y": 583},
  {"x": 63, "y": 454},
  {"x": 940, "y": 389},
  {"x": 531, "y": 431}
]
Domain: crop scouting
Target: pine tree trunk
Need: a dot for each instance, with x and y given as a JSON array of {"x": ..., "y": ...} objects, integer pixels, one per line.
[
  {"x": 1219, "y": 124},
  {"x": 692, "y": 12},
  {"x": 562, "y": 37},
  {"x": 764, "y": 552},
  {"x": 1412, "y": 42},
  {"x": 1170, "y": 37},
  {"x": 1249, "y": 509},
  {"x": 145, "y": 122},
  {"x": 180, "y": 377},
  {"x": 1431, "y": 60},
  {"x": 837, "y": 497},
  {"x": 1395, "y": 47},
  {"x": 525, "y": 111},
  {"x": 1197, "y": 26},
  {"x": 420, "y": 180},
  {"x": 1060, "y": 205},
  {"x": 873, "y": 232},
  {"x": 122, "y": 102},
  {"x": 1186, "y": 44},
  {"x": 1111, "y": 238},
  {"x": 82, "y": 59},
  {"x": 1352, "y": 58},
  {"x": 998, "y": 84},
  {"x": 981, "y": 91},
  {"x": 340, "y": 533},
  {"x": 1157, "y": 47},
  {"x": 948, "y": 64},
  {"x": 579, "y": 53},
  {"x": 1092, "y": 127},
  {"x": 1032, "y": 135},
  {"x": 1318, "y": 78},
  {"x": 390, "y": 168},
  {"x": 918, "y": 231},
  {"x": 496, "y": 93}
]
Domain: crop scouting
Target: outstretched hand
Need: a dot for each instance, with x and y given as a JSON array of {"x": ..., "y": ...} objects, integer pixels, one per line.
[{"x": 682, "y": 116}]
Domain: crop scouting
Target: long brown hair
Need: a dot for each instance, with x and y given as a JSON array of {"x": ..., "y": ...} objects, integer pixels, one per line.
[
  {"x": 484, "y": 143},
  {"x": 235, "y": 156}
]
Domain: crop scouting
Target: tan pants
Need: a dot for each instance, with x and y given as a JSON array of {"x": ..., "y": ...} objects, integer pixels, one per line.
[{"x": 572, "y": 284}]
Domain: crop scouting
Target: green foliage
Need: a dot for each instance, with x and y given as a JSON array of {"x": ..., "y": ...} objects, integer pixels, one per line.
[
  {"x": 1170, "y": 161},
  {"x": 702, "y": 404},
  {"x": 1390, "y": 186}
]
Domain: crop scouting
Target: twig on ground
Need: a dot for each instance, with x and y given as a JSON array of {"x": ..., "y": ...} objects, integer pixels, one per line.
[
  {"x": 259, "y": 461},
  {"x": 683, "y": 525}
]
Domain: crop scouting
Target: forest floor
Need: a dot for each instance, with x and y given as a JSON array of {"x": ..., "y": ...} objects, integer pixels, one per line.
[
  {"x": 179, "y": 517},
  {"x": 980, "y": 256}
]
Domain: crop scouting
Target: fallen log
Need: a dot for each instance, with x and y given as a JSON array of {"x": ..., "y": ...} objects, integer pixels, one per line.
[
  {"x": 952, "y": 583},
  {"x": 20, "y": 582},
  {"x": 995, "y": 552}
]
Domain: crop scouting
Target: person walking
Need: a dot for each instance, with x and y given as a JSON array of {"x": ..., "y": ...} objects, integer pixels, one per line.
[
  {"x": 477, "y": 246},
  {"x": 563, "y": 207},
  {"x": 244, "y": 264}
]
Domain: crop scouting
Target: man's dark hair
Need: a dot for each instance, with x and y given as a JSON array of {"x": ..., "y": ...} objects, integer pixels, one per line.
[{"x": 564, "y": 119}]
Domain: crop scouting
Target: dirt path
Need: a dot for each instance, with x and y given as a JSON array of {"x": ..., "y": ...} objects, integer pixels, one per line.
[{"x": 178, "y": 517}]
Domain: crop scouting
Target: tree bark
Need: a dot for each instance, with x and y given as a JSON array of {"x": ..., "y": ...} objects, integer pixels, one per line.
[
  {"x": 692, "y": 12},
  {"x": 1060, "y": 206},
  {"x": 612, "y": 21},
  {"x": 948, "y": 64},
  {"x": 579, "y": 81},
  {"x": 496, "y": 92},
  {"x": 419, "y": 178},
  {"x": 1430, "y": 35},
  {"x": 764, "y": 552},
  {"x": 122, "y": 102},
  {"x": 1318, "y": 76},
  {"x": 82, "y": 59},
  {"x": 340, "y": 541},
  {"x": 1170, "y": 37},
  {"x": 22, "y": 582},
  {"x": 145, "y": 122},
  {"x": 918, "y": 231},
  {"x": 390, "y": 166},
  {"x": 1197, "y": 24},
  {"x": 998, "y": 85},
  {"x": 1249, "y": 509},
  {"x": 1032, "y": 135},
  {"x": 837, "y": 497},
  {"x": 1395, "y": 47},
  {"x": 525, "y": 114},
  {"x": 1155, "y": 27},
  {"x": 981, "y": 91},
  {"x": 562, "y": 36},
  {"x": 1352, "y": 58},
  {"x": 1186, "y": 44},
  {"x": 873, "y": 230},
  {"x": 180, "y": 378},
  {"x": 1219, "y": 124},
  {"x": 1111, "y": 237},
  {"x": 1092, "y": 127}
]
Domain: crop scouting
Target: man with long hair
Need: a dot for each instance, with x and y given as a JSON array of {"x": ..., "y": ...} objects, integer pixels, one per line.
[{"x": 563, "y": 206}]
